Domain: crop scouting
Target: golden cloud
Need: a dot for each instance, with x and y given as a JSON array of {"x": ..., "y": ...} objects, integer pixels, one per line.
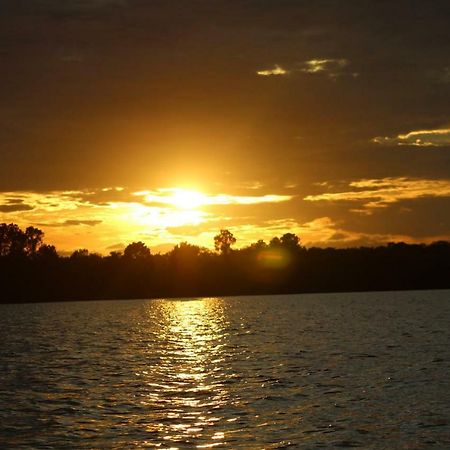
[
  {"x": 319, "y": 232},
  {"x": 180, "y": 197},
  {"x": 97, "y": 219},
  {"x": 324, "y": 65},
  {"x": 379, "y": 193},
  {"x": 332, "y": 68},
  {"x": 439, "y": 137},
  {"x": 277, "y": 70}
]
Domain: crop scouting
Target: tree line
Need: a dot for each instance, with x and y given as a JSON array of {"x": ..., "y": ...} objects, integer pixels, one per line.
[{"x": 31, "y": 270}]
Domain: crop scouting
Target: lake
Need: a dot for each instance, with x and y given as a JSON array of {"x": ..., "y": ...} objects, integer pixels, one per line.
[{"x": 369, "y": 370}]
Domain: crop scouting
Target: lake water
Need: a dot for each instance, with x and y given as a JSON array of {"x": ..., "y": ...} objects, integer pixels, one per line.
[{"x": 366, "y": 370}]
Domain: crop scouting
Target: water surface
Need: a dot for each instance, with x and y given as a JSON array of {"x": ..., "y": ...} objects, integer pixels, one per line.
[{"x": 367, "y": 370}]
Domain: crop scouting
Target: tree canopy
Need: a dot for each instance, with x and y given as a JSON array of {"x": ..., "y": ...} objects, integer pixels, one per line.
[
  {"x": 15, "y": 242},
  {"x": 32, "y": 270},
  {"x": 223, "y": 242},
  {"x": 136, "y": 250}
]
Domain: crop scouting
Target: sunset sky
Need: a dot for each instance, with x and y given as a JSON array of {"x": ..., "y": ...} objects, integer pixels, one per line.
[{"x": 165, "y": 121}]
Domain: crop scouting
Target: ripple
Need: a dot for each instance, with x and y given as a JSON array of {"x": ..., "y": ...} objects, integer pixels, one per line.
[{"x": 312, "y": 371}]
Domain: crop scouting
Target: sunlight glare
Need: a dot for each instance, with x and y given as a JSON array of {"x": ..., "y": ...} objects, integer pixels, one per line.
[
  {"x": 180, "y": 198},
  {"x": 164, "y": 217},
  {"x": 186, "y": 199}
]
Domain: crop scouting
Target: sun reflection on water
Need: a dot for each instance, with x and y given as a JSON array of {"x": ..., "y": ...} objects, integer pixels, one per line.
[
  {"x": 190, "y": 389},
  {"x": 251, "y": 373}
]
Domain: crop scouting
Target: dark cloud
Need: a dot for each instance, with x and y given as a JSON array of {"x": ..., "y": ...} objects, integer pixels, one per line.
[
  {"x": 339, "y": 236},
  {"x": 419, "y": 218},
  {"x": 71, "y": 222},
  {"x": 14, "y": 201},
  {"x": 90, "y": 223},
  {"x": 102, "y": 197},
  {"x": 116, "y": 247},
  {"x": 15, "y": 207}
]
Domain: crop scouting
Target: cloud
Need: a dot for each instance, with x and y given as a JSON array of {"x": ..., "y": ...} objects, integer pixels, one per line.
[
  {"x": 104, "y": 196},
  {"x": 326, "y": 232},
  {"x": 439, "y": 137},
  {"x": 180, "y": 198},
  {"x": 98, "y": 218},
  {"x": 381, "y": 192},
  {"x": 116, "y": 247},
  {"x": 74, "y": 219},
  {"x": 276, "y": 71},
  {"x": 324, "y": 65},
  {"x": 72, "y": 222},
  {"x": 333, "y": 68},
  {"x": 319, "y": 232},
  {"x": 252, "y": 185},
  {"x": 90, "y": 223},
  {"x": 14, "y": 207}
]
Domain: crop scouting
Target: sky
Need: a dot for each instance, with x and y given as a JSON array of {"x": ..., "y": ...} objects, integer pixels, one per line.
[{"x": 166, "y": 121}]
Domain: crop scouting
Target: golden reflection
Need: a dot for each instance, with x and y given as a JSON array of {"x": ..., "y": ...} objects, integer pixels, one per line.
[{"x": 189, "y": 379}]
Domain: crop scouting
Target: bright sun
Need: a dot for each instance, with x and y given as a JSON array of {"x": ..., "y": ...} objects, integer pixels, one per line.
[
  {"x": 179, "y": 198},
  {"x": 185, "y": 199},
  {"x": 170, "y": 207}
]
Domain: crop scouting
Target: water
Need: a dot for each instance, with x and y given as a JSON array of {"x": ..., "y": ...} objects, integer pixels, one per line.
[{"x": 366, "y": 370}]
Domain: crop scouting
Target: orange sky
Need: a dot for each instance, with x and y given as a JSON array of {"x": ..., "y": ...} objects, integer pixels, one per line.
[
  {"x": 107, "y": 219},
  {"x": 124, "y": 120}
]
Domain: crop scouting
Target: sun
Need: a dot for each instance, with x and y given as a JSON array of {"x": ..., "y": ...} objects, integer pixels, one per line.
[
  {"x": 185, "y": 198},
  {"x": 170, "y": 207}
]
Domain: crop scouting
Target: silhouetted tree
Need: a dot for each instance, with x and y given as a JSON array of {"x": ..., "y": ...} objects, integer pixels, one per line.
[
  {"x": 33, "y": 239},
  {"x": 290, "y": 241},
  {"x": 12, "y": 240},
  {"x": 258, "y": 245},
  {"x": 136, "y": 250},
  {"x": 115, "y": 255},
  {"x": 186, "y": 251},
  {"x": 80, "y": 253},
  {"x": 275, "y": 242},
  {"x": 47, "y": 252},
  {"x": 15, "y": 242},
  {"x": 223, "y": 241}
]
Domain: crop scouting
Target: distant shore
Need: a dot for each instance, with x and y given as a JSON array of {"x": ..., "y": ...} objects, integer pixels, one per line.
[
  {"x": 241, "y": 272},
  {"x": 193, "y": 297},
  {"x": 32, "y": 271}
]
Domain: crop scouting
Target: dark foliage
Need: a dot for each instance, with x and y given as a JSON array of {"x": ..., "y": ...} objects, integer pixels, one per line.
[{"x": 32, "y": 271}]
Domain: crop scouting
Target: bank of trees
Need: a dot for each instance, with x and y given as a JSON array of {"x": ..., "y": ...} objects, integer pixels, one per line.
[
  {"x": 31, "y": 270},
  {"x": 29, "y": 243}
]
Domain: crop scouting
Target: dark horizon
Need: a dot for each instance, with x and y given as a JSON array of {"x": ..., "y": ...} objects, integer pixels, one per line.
[{"x": 31, "y": 270}]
